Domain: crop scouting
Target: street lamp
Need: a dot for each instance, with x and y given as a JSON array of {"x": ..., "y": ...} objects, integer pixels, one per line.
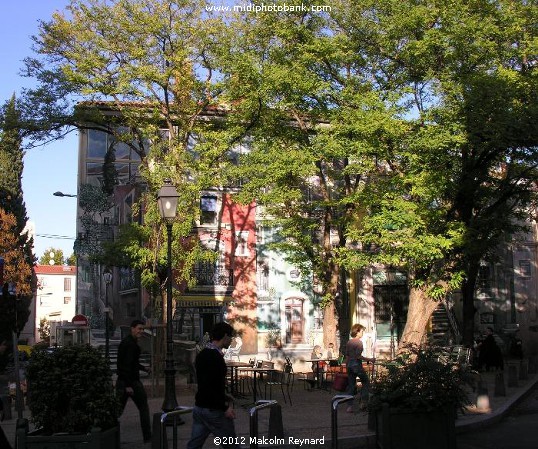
[
  {"x": 167, "y": 200},
  {"x": 64, "y": 194},
  {"x": 391, "y": 276},
  {"x": 107, "y": 276}
]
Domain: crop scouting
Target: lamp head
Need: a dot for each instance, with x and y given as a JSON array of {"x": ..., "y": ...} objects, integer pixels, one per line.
[
  {"x": 107, "y": 275},
  {"x": 167, "y": 200}
]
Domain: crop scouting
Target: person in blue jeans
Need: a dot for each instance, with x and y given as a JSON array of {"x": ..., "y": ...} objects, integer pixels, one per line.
[
  {"x": 128, "y": 384},
  {"x": 213, "y": 411},
  {"x": 354, "y": 358}
]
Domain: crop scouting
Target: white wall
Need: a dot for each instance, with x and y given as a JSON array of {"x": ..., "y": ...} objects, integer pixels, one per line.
[{"x": 53, "y": 301}]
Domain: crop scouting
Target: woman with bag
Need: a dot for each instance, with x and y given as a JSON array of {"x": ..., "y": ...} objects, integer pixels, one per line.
[{"x": 354, "y": 358}]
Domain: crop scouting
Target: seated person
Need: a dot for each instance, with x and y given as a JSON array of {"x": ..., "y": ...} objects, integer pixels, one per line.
[
  {"x": 331, "y": 353},
  {"x": 317, "y": 354}
]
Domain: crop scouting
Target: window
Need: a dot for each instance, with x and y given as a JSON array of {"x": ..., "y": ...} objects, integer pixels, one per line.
[
  {"x": 97, "y": 144},
  {"x": 241, "y": 248},
  {"x": 208, "y": 209},
  {"x": 67, "y": 284},
  {"x": 525, "y": 268},
  {"x": 67, "y": 299},
  {"x": 484, "y": 276}
]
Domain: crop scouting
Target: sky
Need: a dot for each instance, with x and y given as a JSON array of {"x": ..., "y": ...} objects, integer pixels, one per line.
[{"x": 50, "y": 168}]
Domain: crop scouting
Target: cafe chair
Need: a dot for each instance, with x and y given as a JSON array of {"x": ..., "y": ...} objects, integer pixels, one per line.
[
  {"x": 283, "y": 379},
  {"x": 232, "y": 352}
]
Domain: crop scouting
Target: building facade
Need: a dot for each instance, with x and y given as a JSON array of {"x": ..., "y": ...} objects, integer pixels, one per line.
[{"x": 55, "y": 297}]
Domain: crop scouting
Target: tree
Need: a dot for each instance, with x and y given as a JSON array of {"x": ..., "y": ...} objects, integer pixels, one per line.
[
  {"x": 17, "y": 272},
  {"x": 15, "y": 244},
  {"x": 150, "y": 77},
  {"x": 413, "y": 121},
  {"x": 58, "y": 256},
  {"x": 71, "y": 260},
  {"x": 467, "y": 173}
]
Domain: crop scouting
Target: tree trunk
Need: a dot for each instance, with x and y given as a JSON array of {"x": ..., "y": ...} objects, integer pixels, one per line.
[
  {"x": 331, "y": 311},
  {"x": 421, "y": 308}
]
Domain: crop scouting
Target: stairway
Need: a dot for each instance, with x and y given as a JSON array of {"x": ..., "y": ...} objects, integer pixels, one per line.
[{"x": 442, "y": 331}]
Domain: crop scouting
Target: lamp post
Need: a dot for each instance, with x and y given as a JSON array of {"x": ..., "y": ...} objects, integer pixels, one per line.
[
  {"x": 107, "y": 276},
  {"x": 390, "y": 281},
  {"x": 64, "y": 194},
  {"x": 167, "y": 200}
]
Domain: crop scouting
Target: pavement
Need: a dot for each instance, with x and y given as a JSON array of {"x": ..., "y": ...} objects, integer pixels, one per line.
[{"x": 308, "y": 419}]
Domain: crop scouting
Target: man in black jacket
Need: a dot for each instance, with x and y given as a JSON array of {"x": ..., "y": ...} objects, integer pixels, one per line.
[
  {"x": 128, "y": 383},
  {"x": 213, "y": 411}
]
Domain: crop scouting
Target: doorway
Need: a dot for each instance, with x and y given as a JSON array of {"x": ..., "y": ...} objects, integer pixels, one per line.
[{"x": 294, "y": 309}]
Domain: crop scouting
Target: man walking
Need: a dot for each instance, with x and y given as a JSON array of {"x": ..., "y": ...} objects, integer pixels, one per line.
[
  {"x": 128, "y": 383},
  {"x": 213, "y": 411}
]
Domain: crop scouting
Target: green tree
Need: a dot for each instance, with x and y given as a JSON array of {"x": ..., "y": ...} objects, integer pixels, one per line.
[
  {"x": 71, "y": 260},
  {"x": 150, "y": 77},
  {"x": 464, "y": 175},
  {"x": 15, "y": 244},
  {"x": 405, "y": 129},
  {"x": 58, "y": 256}
]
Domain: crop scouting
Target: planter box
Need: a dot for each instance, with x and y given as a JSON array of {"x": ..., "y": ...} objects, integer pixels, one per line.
[
  {"x": 402, "y": 429},
  {"x": 96, "y": 439}
]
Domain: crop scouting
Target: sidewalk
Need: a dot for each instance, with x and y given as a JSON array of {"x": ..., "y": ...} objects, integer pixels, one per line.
[{"x": 310, "y": 416}]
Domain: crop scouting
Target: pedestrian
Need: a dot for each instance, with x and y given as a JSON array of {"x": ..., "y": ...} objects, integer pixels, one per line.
[
  {"x": 213, "y": 411},
  {"x": 489, "y": 353},
  {"x": 354, "y": 358},
  {"x": 128, "y": 384}
]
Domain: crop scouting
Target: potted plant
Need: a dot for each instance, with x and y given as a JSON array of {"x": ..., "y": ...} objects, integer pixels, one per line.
[
  {"x": 71, "y": 399},
  {"x": 415, "y": 399}
]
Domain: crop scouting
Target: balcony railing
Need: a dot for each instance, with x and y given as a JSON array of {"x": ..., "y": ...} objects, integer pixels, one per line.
[{"x": 209, "y": 274}]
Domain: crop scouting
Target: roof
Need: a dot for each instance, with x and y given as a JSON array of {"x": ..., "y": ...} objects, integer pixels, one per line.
[{"x": 56, "y": 269}]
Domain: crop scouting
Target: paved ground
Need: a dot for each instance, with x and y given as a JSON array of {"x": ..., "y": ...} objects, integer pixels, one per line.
[
  {"x": 310, "y": 416},
  {"x": 515, "y": 431}
]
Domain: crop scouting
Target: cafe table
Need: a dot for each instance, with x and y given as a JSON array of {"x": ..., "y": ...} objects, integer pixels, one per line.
[
  {"x": 319, "y": 373},
  {"x": 234, "y": 367},
  {"x": 256, "y": 371}
]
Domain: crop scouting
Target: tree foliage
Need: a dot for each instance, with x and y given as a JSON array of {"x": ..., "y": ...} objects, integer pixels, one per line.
[
  {"x": 146, "y": 72},
  {"x": 381, "y": 132},
  {"x": 58, "y": 256},
  {"x": 405, "y": 131},
  {"x": 14, "y": 308},
  {"x": 15, "y": 244}
]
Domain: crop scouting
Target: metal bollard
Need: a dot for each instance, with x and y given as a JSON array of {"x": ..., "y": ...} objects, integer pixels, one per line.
[
  {"x": 335, "y": 402},
  {"x": 160, "y": 421},
  {"x": 523, "y": 369},
  {"x": 512, "y": 374},
  {"x": 273, "y": 427},
  {"x": 6, "y": 406},
  {"x": 500, "y": 388}
]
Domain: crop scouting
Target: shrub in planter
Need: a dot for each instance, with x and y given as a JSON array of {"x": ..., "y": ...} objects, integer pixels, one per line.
[
  {"x": 70, "y": 390},
  {"x": 415, "y": 399}
]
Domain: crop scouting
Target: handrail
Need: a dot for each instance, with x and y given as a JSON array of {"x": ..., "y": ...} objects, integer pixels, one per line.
[
  {"x": 253, "y": 412},
  {"x": 180, "y": 410},
  {"x": 452, "y": 321},
  {"x": 335, "y": 402}
]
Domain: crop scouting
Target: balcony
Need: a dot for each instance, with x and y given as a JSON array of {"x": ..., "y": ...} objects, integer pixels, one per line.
[{"x": 212, "y": 277}]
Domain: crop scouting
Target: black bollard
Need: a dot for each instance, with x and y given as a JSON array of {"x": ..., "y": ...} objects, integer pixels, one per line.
[
  {"x": 276, "y": 428},
  {"x": 500, "y": 388},
  {"x": 512, "y": 375},
  {"x": 523, "y": 369}
]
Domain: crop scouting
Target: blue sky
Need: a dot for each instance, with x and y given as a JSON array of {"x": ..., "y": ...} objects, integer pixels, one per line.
[{"x": 53, "y": 167}]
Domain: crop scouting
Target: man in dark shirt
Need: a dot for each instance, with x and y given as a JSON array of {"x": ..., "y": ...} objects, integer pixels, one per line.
[
  {"x": 128, "y": 383},
  {"x": 213, "y": 411}
]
